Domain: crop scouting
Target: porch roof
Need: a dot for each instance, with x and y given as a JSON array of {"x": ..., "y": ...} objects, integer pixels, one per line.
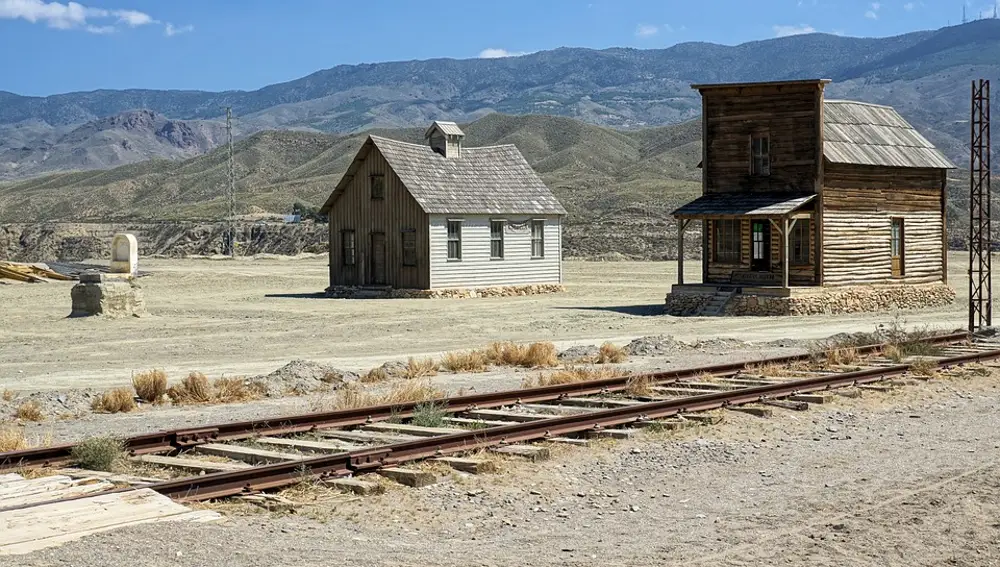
[{"x": 743, "y": 204}]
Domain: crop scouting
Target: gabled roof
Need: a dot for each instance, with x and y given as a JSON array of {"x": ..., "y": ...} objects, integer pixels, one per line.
[
  {"x": 743, "y": 204},
  {"x": 449, "y": 128},
  {"x": 859, "y": 133},
  {"x": 487, "y": 180}
]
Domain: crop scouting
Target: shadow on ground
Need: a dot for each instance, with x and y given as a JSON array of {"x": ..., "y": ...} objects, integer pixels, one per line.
[
  {"x": 316, "y": 295},
  {"x": 655, "y": 309}
]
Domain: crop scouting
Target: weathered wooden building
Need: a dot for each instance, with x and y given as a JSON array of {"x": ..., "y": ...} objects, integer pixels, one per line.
[
  {"x": 800, "y": 192},
  {"x": 441, "y": 215}
]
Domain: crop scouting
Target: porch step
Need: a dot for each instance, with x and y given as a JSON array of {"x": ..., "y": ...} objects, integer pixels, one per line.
[{"x": 716, "y": 304}]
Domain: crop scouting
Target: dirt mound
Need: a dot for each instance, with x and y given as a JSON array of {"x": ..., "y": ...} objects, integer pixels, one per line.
[
  {"x": 655, "y": 346},
  {"x": 579, "y": 352},
  {"x": 53, "y": 405},
  {"x": 302, "y": 376}
]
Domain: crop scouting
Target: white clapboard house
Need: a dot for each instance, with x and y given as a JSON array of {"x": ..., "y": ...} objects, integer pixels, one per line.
[{"x": 440, "y": 215}]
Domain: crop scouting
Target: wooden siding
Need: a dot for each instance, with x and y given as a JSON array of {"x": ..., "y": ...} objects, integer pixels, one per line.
[
  {"x": 399, "y": 211},
  {"x": 477, "y": 269},
  {"x": 787, "y": 114},
  {"x": 859, "y": 204},
  {"x": 798, "y": 275}
]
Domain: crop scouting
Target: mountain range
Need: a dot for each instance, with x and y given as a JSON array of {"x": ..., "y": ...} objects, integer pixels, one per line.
[{"x": 925, "y": 75}]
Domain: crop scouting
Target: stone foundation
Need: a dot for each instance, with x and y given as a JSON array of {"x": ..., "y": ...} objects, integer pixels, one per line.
[
  {"x": 831, "y": 300},
  {"x": 95, "y": 295},
  {"x": 349, "y": 292}
]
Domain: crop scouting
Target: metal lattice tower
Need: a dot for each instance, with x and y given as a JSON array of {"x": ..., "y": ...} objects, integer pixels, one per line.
[
  {"x": 231, "y": 189},
  {"x": 980, "y": 261}
]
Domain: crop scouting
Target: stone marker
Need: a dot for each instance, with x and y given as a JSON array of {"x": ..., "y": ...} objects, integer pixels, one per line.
[
  {"x": 124, "y": 254},
  {"x": 116, "y": 294}
]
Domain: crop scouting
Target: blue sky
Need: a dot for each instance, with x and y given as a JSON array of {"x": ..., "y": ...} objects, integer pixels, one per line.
[{"x": 53, "y": 47}]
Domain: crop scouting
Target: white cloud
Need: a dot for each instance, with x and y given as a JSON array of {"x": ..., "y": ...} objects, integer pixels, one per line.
[
  {"x": 785, "y": 31},
  {"x": 170, "y": 30},
  {"x": 646, "y": 30},
  {"x": 909, "y": 6},
  {"x": 497, "y": 53},
  {"x": 70, "y": 15},
  {"x": 873, "y": 13}
]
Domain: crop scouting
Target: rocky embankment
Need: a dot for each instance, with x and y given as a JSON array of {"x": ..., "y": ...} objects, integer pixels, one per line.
[{"x": 78, "y": 241}]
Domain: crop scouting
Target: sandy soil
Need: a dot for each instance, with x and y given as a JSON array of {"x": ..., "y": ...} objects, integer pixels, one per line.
[
  {"x": 251, "y": 316},
  {"x": 905, "y": 478}
]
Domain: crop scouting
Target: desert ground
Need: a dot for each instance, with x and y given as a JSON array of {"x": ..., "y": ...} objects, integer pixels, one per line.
[
  {"x": 901, "y": 478},
  {"x": 250, "y": 316}
]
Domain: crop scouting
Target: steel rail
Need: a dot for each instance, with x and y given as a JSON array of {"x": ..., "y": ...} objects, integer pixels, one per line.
[
  {"x": 223, "y": 484},
  {"x": 169, "y": 440}
]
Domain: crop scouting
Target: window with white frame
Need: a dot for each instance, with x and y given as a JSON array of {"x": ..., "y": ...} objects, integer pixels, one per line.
[
  {"x": 538, "y": 239},
  {"x": 496, "y": 239},
  {"x": 454, "y": 240}
]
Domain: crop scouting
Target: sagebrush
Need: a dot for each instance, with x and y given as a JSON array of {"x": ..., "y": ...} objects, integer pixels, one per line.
[
  {"x": 99, "y": 453},
  {"x": 118, "y": 400},
  {"x": 150, "y": 386}
]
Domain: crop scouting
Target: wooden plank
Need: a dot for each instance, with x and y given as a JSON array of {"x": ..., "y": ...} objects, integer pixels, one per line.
[
  {"x": 558, "y": 410},
  {"x": 409, "y": 477},
  {"x": 65, "y": 488},
  {"x": 306, "y": 446},
  {"x": 47, "y": 525},
  {"x": 471, "y": 466},
  {"x": 611, "y": 433},
  {"x": 530, "y": 452},
  {"x": 702, "y": 418},
  {"x": 811, "y": 398},
  {"x": 194, "y": 465},
  {"x": 364, "y": 436},
  {"x": 501, "y": 415},
  {"x": 597, "y": 402},
  {"x": 468, "y": 423},
  {"x": 569, "y": 441},
  {"x": 383, "y": 427},
  {"x": 752, "y": 410},
  {"x": 246, "y": 454},
  {"x": 361, "y": 487}
]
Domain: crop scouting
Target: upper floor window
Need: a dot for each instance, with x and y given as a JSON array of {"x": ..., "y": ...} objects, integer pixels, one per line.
[
  {"x": 760, "y": 154},
  {"x": 378, "y": 186}
]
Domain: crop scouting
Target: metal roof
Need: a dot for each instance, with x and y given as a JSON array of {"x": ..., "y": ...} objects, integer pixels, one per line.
[
  {"x": 486, "y": 180},
  {"x": 449, "y": 128},
  {"x": 743, "y": 204},
  {"x": 859, "y": 133}
]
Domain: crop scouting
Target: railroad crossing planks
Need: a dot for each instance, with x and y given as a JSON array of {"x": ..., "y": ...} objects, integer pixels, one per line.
[
  {"x": 246, "y": 454},
  {"x": 195, "y": 465}
]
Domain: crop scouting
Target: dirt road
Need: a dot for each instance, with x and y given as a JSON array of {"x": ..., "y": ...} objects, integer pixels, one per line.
[{"x": 251, "y": 316}]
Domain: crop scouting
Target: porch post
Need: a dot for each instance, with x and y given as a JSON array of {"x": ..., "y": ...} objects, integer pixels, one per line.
[
  {"x": 784, "y": 257},
  {"x": 681, "y": 225}
]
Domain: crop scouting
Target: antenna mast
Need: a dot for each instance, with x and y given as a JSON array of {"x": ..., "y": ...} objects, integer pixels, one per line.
[
  {"x": 980, "y": 233},
  {"x": 231, "y": 189},
  {"x": 964, "y": 19}
]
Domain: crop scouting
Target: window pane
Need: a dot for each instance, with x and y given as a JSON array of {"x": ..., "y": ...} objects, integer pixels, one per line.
[
  {"x": 454, "y": 240},
  {"x": 538, "y": 239}
]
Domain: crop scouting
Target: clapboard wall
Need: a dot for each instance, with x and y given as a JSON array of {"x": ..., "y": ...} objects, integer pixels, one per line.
[
  {"x": 477, "y": 269},
  {"x": 859, "y": 204}
]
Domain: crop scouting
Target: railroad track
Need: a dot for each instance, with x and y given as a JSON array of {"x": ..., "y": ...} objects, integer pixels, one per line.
[{"x": 255, "y": 456}]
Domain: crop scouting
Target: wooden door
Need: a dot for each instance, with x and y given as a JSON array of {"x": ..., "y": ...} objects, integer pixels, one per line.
[
  {"x": 897, "y": 248},
  {"x": 378, "y": 258},
  {"x": 760, "y": 246}
]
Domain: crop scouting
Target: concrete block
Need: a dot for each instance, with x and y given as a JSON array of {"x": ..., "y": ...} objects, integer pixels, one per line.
[{"x": 108, "y": 298}]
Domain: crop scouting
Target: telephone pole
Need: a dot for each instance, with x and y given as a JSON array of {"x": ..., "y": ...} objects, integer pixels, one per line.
[{"x": 231, "y": 189}]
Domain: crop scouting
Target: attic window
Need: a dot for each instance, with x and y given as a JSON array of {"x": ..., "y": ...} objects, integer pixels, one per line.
[
  {"x": 760, "y": 154},
  {"x": 377, "y": 183}
]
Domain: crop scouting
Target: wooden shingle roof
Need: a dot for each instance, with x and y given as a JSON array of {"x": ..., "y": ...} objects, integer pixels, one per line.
[
  {"x": 859, "y": 133},
  {"x": 486, "y": 180},
  {"x": 449, "y": 128}
]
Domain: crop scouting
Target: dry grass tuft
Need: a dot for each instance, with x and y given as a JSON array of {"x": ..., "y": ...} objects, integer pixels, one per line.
[
  {"x": 119, "y": 400},
  {"x": 466, "y": 361},
  {"x": 924, "y": 367},
  {"x": 535, "y": 355},
  {"x": 8, "y": 395},
  {"x": 639, "y": 385},
  {"x": 772, "y": 370},
  {"x": 611, "y": 354},
  {"x": 235, "y": 389},
  {"x": 416, "y": 369},
  {"x": 571, "y": 375},
  {"x": 195, "y": 389},
  {"x": 150, "y": 385},
  {"x": 13, "y": 439},
  {"x": 375, "y": 375},
  {"x": 352, "y": 396},
  {"x": 843, "y": 356},
  {"x": 30, "y": 411},
  {"x": 893, "y": 353}
]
